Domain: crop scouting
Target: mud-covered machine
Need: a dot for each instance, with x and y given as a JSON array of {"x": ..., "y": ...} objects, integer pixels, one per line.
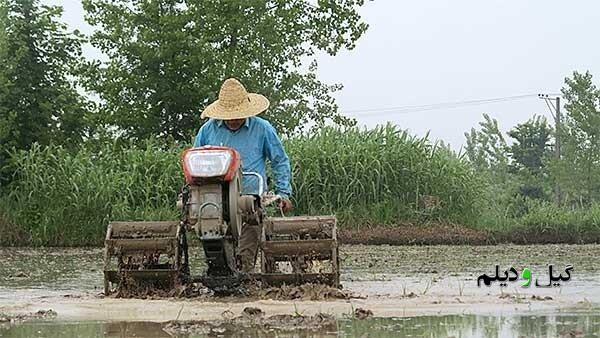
[{"x": 292, "y": 250}]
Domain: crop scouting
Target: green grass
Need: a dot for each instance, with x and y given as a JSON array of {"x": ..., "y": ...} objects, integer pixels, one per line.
[
  {"x": 572, "y": 225},
  {"x": 365, "y": 177},
  {"x": 60, "y": 198},
  {"x": 379, "y": 176},
  {"x": 543, "y": 222}
]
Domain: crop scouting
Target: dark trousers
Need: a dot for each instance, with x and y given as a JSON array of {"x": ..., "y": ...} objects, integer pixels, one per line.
[{"x": 249, "y": 246}]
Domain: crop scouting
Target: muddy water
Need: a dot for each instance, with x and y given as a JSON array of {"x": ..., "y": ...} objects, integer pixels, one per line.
[
  {"x": 412, "y": 290},
  {"x": 80, "y": 270},
  {"x": 582, "y": 325}
]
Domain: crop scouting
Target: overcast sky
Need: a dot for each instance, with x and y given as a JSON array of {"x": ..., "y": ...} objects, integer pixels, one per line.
[{"x": 435, "y": 51}]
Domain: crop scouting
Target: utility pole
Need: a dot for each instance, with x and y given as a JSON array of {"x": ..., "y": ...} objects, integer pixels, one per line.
[{"x": 555, "y": 112}]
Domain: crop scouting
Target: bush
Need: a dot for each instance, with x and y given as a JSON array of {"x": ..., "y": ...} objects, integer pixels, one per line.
[{"x": 546, "y": 217}]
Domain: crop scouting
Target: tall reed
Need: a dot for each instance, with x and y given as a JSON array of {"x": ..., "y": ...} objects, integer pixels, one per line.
[
  {"x": 63, "y": 198},
  {"x": 380, "y": 176},
  {"x": 364, "y": 176}
]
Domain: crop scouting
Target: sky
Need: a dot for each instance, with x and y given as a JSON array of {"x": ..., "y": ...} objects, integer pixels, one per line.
[{"x": 425, "y": 52}]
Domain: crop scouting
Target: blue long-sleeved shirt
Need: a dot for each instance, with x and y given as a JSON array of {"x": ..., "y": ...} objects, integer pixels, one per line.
[{"x": 256, "y": 141}]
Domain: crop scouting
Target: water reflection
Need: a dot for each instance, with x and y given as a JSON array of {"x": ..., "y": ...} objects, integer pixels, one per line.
[
  {"x": 575, "y": 325},
  {"x": 562, "y": 325}
]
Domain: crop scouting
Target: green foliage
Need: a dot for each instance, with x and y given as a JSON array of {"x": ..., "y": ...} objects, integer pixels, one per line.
[
  {"x": 379, "y": 176},
  {"x": 520, "y": 177},
  {"x": 529, "y": 153},
  {"x": 545, "y": 218},
  {"x": 512, "y": 173},
  {"x": 38, "y": 99},
  {"x": 365, "y": 177},
  {"x": 166, "y": 61},
  {"x": 168, "y": 58},
  {"x": 544, "y": 222},
  {"x": 578, "y": 172},
  {"x": 487, "y": 151},
  {"x": 531, "y": 145},
  {"x": 64, "y": 198},
  {"x": 486, "y": 148}
]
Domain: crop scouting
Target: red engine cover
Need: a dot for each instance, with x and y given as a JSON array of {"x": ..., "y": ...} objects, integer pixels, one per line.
[{"x": 234, "y": 165}]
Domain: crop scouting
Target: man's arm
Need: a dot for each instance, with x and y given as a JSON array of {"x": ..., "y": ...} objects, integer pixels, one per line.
[
  {"x": 280, "y": 163},
  {"x": 200, "y": 139}
]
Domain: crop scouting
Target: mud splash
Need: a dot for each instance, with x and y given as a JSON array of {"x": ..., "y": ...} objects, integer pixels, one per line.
[
  {"x": 304, "y": 292},
  {"x": 253, "y": 319},
  {"x": 316, "y": 292},
  {"x": 133, "y": 289}
]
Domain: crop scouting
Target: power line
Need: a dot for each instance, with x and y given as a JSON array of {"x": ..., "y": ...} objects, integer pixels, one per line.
[
  {"x": 436, "y": 106},
  {"x": 555, "y": 112}
]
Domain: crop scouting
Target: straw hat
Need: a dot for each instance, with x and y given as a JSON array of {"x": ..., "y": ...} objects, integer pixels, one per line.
[{"x": 235, "y": 103}]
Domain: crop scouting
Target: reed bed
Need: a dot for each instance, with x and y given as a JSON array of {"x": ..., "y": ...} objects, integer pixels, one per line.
[
  {"x": 365, "y": 177},
  {"x": 381, "y": 176},
  {"x": 63, "y": 198}
]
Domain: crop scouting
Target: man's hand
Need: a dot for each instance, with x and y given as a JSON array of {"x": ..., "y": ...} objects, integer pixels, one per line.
[{"x": 286, "y": 205}]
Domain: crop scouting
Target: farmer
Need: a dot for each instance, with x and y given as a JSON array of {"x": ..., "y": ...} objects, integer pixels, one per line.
[{"x": 233, "y": 123}]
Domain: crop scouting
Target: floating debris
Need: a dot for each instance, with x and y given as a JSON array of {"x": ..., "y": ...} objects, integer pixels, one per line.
[
  {"x": 253, "y": 312},
  {"x": 534, "y": 297},
  {"x": 361, "y": 313}
]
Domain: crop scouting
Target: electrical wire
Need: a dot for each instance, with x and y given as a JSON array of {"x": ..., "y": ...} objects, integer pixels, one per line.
[
  {"x": 552, "y": 112},
  {"x": 436, "y": 106}
]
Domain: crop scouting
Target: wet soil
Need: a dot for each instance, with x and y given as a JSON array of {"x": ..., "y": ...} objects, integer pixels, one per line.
[
  {"x": 139, "y": 290},
  {"x": 526, "y": 236},
  {"x": 388, "y": 281},
  {"x": 303, "y": 292},
  {"x": 409, "y": 234},
  {"x": 250, "y": 290},
  {"x": 579, "y": 324},
  {"x": 255, "y": 321},
  {"x": 453, "y": 234}
]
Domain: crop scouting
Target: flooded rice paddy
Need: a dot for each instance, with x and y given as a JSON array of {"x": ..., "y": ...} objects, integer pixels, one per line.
[
  {"x": 424, "y": 326},
  {"x": 424, "y": 291}
]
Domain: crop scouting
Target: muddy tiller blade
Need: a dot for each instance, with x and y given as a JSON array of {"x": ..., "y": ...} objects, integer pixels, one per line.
[
  {"x": 148, "y": 253},
  {"x": 300, "y": 249}
]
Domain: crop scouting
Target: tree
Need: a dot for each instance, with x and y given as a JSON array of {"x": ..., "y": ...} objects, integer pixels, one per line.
[
  {"x": 510, "y": 171},
  {"x": 38, "y": 99},
  {"x": 168, "y": 58},
  {"x": 579, "y": 169},
  {"x": 531, "y": 144},
  {"x": 529, "y": 154},
  {"x": 486, "y": 148}
]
